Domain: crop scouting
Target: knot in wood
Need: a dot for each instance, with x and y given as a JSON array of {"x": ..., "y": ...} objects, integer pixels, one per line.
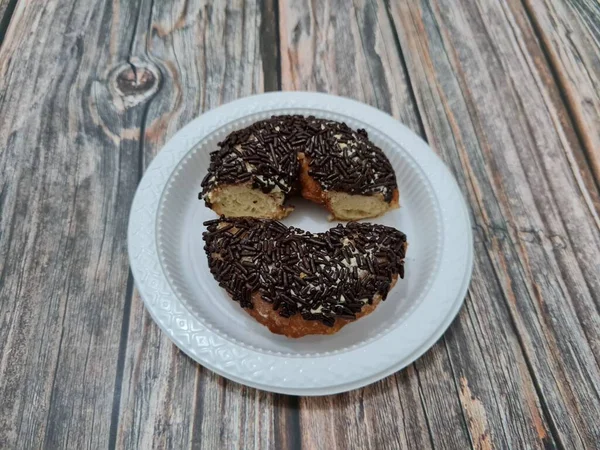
[{"x": 133, "y": 81}]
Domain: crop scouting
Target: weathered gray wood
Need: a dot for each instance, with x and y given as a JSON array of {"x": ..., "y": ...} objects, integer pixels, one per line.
[
  {"x": 6, "y": 11},
  {"x": 380, "y": 416},
  {"x": 67, "y": 180},
  {"x": 437, "y": 393},
  {"x": 570, "y": 34},
  {"x": 167, "y": 400},
  {"x": 90, "y": 92},
  {"x": 3, "y": 8},
  {"x": 347, "y": 49},
  {"x": 500, "y": 123},
  {"x": 316, "y": 39}
]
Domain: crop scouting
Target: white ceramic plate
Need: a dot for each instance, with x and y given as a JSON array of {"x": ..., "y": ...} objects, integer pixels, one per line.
[{"x": 171, "y": 271}]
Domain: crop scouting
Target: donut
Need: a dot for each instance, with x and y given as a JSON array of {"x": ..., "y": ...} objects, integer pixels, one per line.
[
  {"x": 299, "y": 283},
  {"x": 256, "y": 169}
]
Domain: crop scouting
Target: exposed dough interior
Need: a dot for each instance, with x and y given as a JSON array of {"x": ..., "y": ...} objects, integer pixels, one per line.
[
  {"x": 345, "y": 206},
  {"x": 244, "y": 201}
]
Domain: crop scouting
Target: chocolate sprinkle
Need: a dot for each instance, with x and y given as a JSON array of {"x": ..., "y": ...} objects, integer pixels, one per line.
[
  {"x": 304, "y": 278},
  {"x": 266, "y": 154}
]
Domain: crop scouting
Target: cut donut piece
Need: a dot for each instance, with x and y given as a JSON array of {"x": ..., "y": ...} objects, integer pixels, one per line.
[
  {"x": 328, "y": 162},
  {"x": 241, "y": 200},
  {"x": 343, "y": 205},
  {"x": 299, "y": 283}
]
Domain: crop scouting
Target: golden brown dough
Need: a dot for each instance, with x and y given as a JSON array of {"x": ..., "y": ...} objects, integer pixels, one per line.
[{"x": 296, "y": 326}]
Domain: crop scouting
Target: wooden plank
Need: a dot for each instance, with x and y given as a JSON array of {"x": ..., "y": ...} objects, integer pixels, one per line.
[
  {"x": 499, "y": 121},
  {"x": 167, "y": 400},
  {"x": 69, "y": 172},
  {"x": 452, "y": 397},
  {"x": 346, "y": 49},
  {"x": 244, "y": 417},
  {"x": 380, "y": 416},
  {"x": 4, "y": 8},
  {"x": 6, "y": 11},
  {"x": 570, "y": 34},
  {"x": 316, "y": 39},
  {"x": 518, "y": 366}
]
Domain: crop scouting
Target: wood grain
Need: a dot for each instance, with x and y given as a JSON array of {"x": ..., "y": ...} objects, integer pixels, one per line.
[
  {"x": 98, "y": 371},
  {"x": 167, "y": 400},
  {"x": 505, "y": 92},
  {"x": 4, "y": 4},
  {"x": 570, "y": 35},
  {"x": 500, "y": 124},
  {"x": 6, "y": 10},
  {"x": 349, "y": 50},
  {"x": 66, "y": 186},
  {"x": 316, "y": 39},
  {"x": 450, "y": 398}
]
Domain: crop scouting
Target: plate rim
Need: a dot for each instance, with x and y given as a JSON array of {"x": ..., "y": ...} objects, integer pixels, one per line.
[{"x": 141, "y": 261}]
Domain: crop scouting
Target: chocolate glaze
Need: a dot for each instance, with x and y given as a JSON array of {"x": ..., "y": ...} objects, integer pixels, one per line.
[
  {"x": 321, "y": 276},
  {"x": 265, "y": 153}
]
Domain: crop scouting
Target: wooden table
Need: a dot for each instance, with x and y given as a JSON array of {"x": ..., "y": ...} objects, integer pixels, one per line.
[{"x": 506, "y": 92}]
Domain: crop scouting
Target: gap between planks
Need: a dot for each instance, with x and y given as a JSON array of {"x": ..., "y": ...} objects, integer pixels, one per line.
[{"x": 7, "y": 9}]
